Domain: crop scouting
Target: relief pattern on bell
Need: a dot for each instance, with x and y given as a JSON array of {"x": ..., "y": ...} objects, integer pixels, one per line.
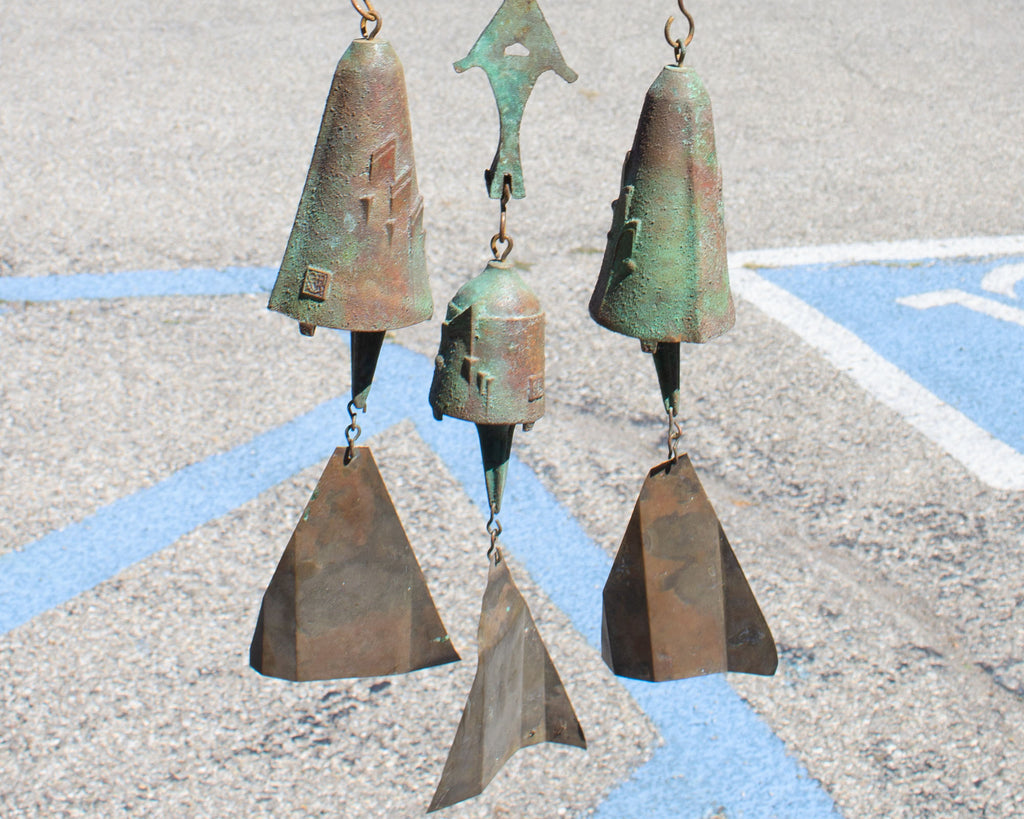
[
  {"x": 490, "y": 364},
  {"x": 355, "y": 259},
  {"x": 665, "y": 276}
]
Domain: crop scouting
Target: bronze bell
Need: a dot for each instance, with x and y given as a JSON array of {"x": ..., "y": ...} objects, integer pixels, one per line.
[
  {"x": 490, "y": 365},
  {"x": 665, "y": 276},
  {"x": 355, "y": 258}
]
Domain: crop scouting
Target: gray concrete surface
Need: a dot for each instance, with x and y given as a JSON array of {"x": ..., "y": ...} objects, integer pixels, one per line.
[{"x": 141, "y": 135}]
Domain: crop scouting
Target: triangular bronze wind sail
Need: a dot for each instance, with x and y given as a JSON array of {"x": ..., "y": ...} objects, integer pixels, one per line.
[
  {"x": 517, "y": 697},
  {"x": 348, "y": 598},
  {"x": 676, "y": 603}
]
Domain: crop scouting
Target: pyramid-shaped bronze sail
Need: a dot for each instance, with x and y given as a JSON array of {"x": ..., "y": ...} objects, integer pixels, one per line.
[
  {"x": 676, "y": 603},
  {"x": 348, "y": 598},
  {"x": 355, "y": 258},
  {"x": 517, "y": 697}
]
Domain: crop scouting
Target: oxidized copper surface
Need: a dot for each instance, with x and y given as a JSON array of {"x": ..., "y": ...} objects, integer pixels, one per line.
[
  {"x": 665, "y": 274},
  {"x": 490, "y": 364},
  {"x": 514, "y": 50},
  {"x": 517, "y": 697},
  {"x": 676, "y": 603},
  {"x": 348, "y": 598},
  {"x": 355, "y": 259}
]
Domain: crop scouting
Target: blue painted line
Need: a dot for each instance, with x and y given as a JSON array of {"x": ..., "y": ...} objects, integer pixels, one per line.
[
  {"x": 192, "y": 282},
  {"x": 971, "y": 361},
  {"x": 61, "y": 565},
  {"x": 717, "y": 753}
]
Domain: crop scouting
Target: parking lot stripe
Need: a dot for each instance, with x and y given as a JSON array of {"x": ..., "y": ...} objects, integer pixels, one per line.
[{"x": 138, "y": 283}]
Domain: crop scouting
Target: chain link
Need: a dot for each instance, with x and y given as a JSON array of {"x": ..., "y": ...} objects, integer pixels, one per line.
[
  {"x": 494, "y": 530},
  {"x": 370, "y": 15},
  {"x": 675, "y": 432},
  {"x": 679, "y": 46},
  {"x": 502, "y": 237},
  {"x": 352, "y": 431}
]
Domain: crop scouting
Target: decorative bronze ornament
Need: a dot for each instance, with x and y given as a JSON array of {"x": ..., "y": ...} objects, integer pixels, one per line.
[
  {"x": 676, "y": 603},
  {"x": 513, "y": 74},
  {"x": 517, "y": 697},
  {"x": 348, "y": 598},
  {"x": 490, "y": 370}
]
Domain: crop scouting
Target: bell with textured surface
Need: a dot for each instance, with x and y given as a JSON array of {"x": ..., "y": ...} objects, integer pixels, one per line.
[
  {"x": 665, "y": 274},
  {"x": 355, "y": 258},
  {"x": 676, "y": 603},
  {"x": 348, "y": 598},
  {"x": 517, "y": 697},
  {"x": 490, "y": 365}
]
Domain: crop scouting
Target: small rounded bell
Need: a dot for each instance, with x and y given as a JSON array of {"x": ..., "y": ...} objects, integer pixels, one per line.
[{"x": 490, "y": 365}]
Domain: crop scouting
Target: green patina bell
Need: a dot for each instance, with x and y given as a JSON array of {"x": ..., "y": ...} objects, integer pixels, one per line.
[
  {"x": 355, "y": 258},
  {"x": 490, "y": 365},
  {"x": 665, "y": 275}
]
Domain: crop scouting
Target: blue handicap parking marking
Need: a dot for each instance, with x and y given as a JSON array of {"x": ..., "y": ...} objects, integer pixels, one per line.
[{"x": 956, "y": 326}]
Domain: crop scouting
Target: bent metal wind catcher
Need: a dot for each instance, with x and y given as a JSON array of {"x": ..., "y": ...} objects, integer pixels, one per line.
[{"x": 348, "y": 598}]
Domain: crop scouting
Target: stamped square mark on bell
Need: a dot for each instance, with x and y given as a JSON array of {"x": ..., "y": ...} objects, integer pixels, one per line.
[{"x": 316, "y": 284}]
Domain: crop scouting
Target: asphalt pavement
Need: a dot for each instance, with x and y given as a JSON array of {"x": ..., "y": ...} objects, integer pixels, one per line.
[{"x": 161, "y": 431}]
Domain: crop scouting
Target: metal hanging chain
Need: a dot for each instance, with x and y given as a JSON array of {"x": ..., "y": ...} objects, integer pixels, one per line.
[
  {"x": 370, "y": 15},
  {"x": 494, "y": 530},
  {"x": 675, "y": 432},
  {"x": 502, "y": 237},
  {"x": 352, "y": 431},
  {"x": 679, "y": 46}
]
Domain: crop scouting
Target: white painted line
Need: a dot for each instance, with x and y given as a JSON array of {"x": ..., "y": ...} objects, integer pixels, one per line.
[
  {"x": 979, "y": 304},
  {"x": 995, "y": 463},
  {"x": 1003, "y": 280},
  {"x": 879, "y": 252}
]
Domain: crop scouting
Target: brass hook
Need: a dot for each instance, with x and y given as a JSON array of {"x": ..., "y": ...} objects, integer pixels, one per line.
[
  {"x": 502, "y": 236},
  {"x": 371, "y": 15},
  {"x": 679, "y": 46}
]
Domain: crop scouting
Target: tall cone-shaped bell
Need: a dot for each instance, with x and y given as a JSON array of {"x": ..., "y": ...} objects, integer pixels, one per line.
[
  {"x": 355, "y": 259},
  {"x": 676, "y": 603},
  {"x": 348, "y": 598},
  {"x": 517, "y": 697},
  {"x": 665, "y": 275}
]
